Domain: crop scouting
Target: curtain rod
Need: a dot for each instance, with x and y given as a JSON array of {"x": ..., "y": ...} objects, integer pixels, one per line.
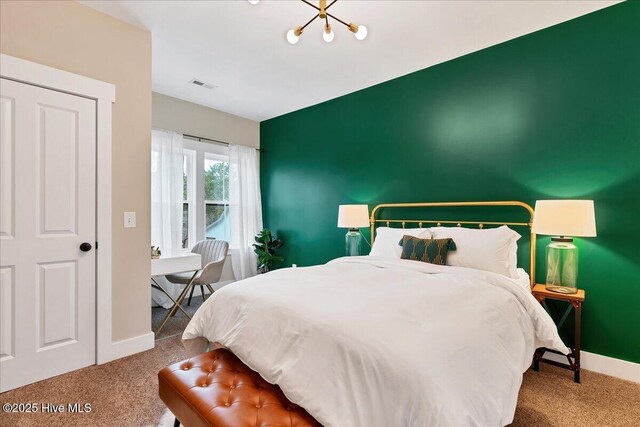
[{"x": 215, "y": 141}]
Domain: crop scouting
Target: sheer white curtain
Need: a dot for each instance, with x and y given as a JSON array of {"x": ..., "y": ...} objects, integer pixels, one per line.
[
  {"x": 245, "y": 208},
  {"x": 166, "y": 190}
]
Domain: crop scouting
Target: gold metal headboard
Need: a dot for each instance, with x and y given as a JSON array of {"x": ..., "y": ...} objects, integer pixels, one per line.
[{"x": 373, "y": 221}]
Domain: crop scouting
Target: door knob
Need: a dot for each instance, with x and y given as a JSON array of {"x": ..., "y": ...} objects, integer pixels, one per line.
[{"x": 85, "y": 247}]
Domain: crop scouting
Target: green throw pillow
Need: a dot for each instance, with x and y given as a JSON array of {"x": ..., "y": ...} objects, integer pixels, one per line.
[{"x": 433, "y": 251}]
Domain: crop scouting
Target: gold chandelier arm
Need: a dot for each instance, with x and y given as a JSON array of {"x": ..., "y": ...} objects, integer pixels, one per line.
[
  {"x": 323, "y": 10},
  {"x": 309, "y": 22},
  {"x": 327, "y": 13},
  {"x": 339, "y": 20}
]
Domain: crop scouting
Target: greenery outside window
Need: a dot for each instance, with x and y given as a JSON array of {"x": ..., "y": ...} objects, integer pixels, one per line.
[
  {"x": 216, "y": 195},
  {"x": 205, "y": 193}
]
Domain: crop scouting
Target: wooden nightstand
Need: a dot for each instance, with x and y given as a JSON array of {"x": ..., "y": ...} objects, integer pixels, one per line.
[{"x": 575, "y": 302}]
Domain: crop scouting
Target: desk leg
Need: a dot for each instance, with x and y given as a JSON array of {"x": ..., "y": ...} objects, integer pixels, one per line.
[
  {"x": 157, "y": 286},
  {"x": 578, "y": 308},
  {"x": 177, "y": 304}
]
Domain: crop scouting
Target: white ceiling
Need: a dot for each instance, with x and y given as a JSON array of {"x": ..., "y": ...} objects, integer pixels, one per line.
[{"x": 242, "y": 48}]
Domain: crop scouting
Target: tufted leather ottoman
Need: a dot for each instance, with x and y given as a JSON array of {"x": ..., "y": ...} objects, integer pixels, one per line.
[{"x": 217, "y": 389}]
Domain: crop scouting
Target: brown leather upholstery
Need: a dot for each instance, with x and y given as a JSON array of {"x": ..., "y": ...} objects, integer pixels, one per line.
[{"x": 217, "y": 389}]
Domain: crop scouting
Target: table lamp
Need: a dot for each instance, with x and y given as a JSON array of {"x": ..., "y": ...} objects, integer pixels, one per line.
[
  {"x": 561, "y": 219},
  {"x": 353, "y": 217}
]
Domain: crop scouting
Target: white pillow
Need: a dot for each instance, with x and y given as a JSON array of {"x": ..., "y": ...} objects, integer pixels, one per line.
[
  {"x": 492, "y": 249},
  {"x": 387, "y": 242}
]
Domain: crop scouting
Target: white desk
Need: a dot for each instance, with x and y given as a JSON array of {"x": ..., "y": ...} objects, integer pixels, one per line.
[
  {"x": 175, "y": 263},
  {"x": 170, "y": 264}
]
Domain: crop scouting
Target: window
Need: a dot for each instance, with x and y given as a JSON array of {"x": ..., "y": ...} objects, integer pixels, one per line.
[
  {"x": 188, "y": 199},
  {"x": 205, "y": 204},
  {"x": 204, "y": 199},
  {"x": 216, "y": 197}
]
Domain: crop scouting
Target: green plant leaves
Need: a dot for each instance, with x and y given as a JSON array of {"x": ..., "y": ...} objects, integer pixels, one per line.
[{"x": 265, "y": 247}]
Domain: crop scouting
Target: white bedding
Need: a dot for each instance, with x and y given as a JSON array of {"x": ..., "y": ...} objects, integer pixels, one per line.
[{"x": 366, "y": 341}]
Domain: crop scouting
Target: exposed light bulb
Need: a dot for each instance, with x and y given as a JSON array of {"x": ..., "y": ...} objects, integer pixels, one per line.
[
  {"x": 292, "y": 37},
  {"x": 254, "y": 1},
  {"x": 328, "y": 34},
  {"x": 361, "y": 34}
]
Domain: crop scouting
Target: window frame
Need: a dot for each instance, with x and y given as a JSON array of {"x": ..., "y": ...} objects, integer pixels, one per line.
[
  {"x": 202, "y": 150},
  {"x": 208, "y": 155}
]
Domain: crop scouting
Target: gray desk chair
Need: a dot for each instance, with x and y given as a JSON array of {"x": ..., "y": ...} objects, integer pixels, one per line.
[{"x": 213, "y": 254}]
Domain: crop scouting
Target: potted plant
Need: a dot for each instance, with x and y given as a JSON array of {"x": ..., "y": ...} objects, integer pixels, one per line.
[{"x": 265, "y": 247}]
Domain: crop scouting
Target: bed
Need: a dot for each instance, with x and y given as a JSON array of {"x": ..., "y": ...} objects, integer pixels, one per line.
[{"x": 380, "y": 341}]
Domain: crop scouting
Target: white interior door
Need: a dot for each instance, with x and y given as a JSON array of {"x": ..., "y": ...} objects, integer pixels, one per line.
[{"x": 47, "y": 198}]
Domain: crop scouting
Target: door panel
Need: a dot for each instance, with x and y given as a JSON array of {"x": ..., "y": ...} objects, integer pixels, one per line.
[
  {"x": 7, "y": 182},
  {"x": 7, "y": 227},
  {"x": 57, "y": 303},
  {"x": 7, "y": 318},
  {"x": 48, "y": 209},
  {"x": 57, "y": 179}
]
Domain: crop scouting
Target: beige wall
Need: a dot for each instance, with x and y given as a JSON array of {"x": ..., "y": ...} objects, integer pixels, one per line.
[
  {"x": 186, "y": 117},
  {"x": 75, "y": 38}
]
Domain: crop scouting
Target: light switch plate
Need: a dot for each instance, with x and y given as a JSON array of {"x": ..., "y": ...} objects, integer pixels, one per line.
[{"x": 129, "y": 220}]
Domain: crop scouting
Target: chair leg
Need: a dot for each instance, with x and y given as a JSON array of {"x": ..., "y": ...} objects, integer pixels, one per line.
[
  {"x": 202, "y": 292},
  {"x": 210, "y": 289},
  {"x": 190, "y": 295},
  {"x": 176, "y": 423}
]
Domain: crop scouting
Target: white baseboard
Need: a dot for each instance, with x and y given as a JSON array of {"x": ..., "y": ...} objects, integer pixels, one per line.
[
  {"x": 604, "y": 365},
  {"x": 129, "y": 346}
]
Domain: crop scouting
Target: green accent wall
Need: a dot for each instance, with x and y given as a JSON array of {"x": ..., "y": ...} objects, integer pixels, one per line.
[{"x": 553, "y": 114}]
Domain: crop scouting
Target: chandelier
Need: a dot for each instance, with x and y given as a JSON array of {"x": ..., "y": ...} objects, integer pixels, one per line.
[{"x": 360, "y": 31}]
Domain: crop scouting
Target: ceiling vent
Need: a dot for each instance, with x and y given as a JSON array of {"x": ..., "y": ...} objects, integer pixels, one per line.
[{"x": 200, "y": 83}]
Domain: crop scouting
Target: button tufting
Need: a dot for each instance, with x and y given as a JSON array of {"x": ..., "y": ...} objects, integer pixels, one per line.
[{"x": 276, "y": 407}]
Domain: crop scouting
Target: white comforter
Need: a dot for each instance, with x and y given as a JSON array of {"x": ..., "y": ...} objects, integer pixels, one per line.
[{"x": 365, "y": 341}]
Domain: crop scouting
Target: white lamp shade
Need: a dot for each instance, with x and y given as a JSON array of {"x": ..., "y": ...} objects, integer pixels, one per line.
[
  {"x": 571, "y": 218},
  {"x": 353, "y": 216}
]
